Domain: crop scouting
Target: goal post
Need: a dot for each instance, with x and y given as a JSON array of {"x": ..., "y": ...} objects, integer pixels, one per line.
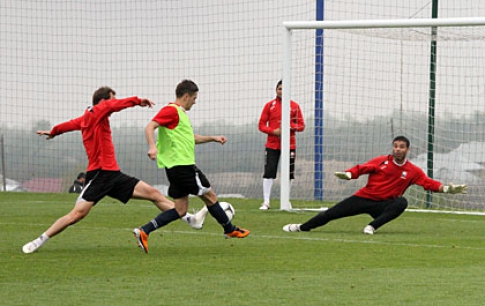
[{"x": 371, "y": 28}]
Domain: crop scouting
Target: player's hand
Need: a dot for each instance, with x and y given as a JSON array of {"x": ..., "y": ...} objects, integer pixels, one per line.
[
  {"x": 343, "y": 175},
  {"x": 152, "y": 153},
  {"x": 454, "y": 189},
  {"x": 45, "y": 133},
  {"x": 220, "y": 139},
  {"x": 277, "y": 132},
  {"x": 146, "y": 102}
]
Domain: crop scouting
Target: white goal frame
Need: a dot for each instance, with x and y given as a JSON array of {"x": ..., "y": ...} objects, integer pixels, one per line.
[{"x": 290, "y": 26}]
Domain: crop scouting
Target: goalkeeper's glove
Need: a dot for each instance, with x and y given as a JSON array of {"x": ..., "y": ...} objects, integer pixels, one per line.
[
  {"x": 343, "y": 175},
  {"x": 453, "y": 189}
]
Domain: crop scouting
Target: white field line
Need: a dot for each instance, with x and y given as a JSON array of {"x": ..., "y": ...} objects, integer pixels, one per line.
[
  {"x": 366, "y": 239},
  {"x": 431, "y": 211},
  {"x": 293, "y": 236}
]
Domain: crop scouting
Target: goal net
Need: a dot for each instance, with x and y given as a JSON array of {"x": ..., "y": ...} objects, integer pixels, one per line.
[
  {"x": 371, "y": 80},
  {"x": 374, "y": 84}
]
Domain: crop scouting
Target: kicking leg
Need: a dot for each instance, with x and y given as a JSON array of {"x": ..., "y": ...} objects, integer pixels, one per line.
[
  {"x": 80, "y": 210},
  {"x": 216, "y": 211},
  {"x": 144, "y": 191}
]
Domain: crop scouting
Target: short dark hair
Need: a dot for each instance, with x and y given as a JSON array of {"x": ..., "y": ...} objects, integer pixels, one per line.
[
  {"x": 81, "y": 175},
  {"x": 102, "y": 93},
  {"x": 279, "y": 83},
  {"x": 402, "y": 138},
  {"x": 186, "y": 86}
]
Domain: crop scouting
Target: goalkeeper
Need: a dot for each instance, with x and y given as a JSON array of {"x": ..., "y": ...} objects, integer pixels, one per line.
[{"x": 388, "y": 178}]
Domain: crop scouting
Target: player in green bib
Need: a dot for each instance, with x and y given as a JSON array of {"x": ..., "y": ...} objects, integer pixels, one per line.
[
  {"x": 176, "y": 145},
  {"x": 175, "y": 151}
]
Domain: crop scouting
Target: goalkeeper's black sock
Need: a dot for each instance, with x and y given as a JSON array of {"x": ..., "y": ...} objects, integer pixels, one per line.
[
  {"x": 218, "y": 213},
  {"x": 319, "y": 219}
]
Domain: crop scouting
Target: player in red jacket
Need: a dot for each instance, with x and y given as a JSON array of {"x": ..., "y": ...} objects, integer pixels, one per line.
[
  {"x": 388, "y": 178},
  {"x": 270, "y": 124},
  {"x": 103, "y": 176}
]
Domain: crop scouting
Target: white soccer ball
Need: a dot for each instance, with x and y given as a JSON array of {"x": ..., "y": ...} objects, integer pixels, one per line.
[{"x": 228, "y": 209}]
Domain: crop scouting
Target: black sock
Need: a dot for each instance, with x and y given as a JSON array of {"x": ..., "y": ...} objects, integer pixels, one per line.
[
  {"x": 319, "y": 219},
  {"x": 162, "y": 219},
  {"x": 218, "y": 213}
]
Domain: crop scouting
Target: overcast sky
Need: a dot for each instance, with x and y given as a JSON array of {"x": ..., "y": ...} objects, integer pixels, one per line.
[{"x": 54, "y": 54}]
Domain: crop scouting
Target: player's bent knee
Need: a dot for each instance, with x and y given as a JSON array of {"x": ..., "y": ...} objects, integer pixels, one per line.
[
  {"x": 209, "y": 198},
  {"x": 76, "y": 216},
  {"x": 401, "y": 203}
]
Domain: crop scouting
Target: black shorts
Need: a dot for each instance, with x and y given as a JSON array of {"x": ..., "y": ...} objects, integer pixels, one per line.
[
  {"x": 101, "y": 183},
  {"x": 271, "y": 159},
  {"x": 185, "y": 180}
]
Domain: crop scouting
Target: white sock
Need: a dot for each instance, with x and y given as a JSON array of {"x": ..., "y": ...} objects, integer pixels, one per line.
[
  {"x": 42, "y": 239},
  {"x": 267, "y": 185}
]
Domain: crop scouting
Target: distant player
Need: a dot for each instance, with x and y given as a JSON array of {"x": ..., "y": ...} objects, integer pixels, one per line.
[
  {"x": 270, "y": 124},
  {"x": 78, "y": 184},
  {"x": 175, "y": 151},
  {"x": 388, "y": 178},
  {"x": 103, "y": 176}
]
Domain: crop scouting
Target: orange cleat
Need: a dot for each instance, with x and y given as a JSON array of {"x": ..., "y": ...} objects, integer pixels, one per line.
[
  {"x": 141, "y": 239},
  {"x": 237, "y": 233}
]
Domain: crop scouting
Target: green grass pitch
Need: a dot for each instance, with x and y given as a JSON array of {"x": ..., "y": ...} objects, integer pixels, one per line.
[{"x": 418, "y": 259}]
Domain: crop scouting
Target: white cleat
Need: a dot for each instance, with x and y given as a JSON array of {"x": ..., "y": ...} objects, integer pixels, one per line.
[
  {"x": 292, "y": 228},
  {"x": 195, "y": 223},
  {"x": 369, "y": 230},
  {"x": 30, "y": 247},
  {"x": 264, "y": 206}
]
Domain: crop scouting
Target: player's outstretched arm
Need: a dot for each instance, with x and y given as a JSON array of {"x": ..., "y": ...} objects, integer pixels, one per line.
[
  {"x": 146, "y": 102},
  {"x": 203, "y": 139}
]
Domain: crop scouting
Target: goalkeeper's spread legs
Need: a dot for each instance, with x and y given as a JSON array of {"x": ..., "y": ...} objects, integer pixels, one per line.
[{"x": 382, "y": 212}]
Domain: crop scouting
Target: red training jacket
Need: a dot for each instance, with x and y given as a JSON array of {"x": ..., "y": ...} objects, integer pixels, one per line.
[
  {"x": 388, "y": 180},
  {"x": 96, "y": 132},
  {"x": 270, "y": 120}
]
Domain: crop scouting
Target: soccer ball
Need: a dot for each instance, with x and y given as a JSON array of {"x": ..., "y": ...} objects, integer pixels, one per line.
[{"x": 228, "y": 209}]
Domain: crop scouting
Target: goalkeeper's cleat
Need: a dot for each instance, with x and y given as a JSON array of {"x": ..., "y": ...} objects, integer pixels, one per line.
[
  {"x": 292, "y": 228},
  {"x": 31, "y": 247},
  {"x": 237, "y": 233},
  {"x": 141, "y": 239},
  {"x": 264, "y": 206},
  {"x": 369, "y": 230}
]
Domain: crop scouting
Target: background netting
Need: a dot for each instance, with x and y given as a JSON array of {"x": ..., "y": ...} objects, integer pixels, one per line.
[{"x": 54, "y": 54}]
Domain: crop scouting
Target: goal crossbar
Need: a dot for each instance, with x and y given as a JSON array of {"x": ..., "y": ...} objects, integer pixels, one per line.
[{"x": 384, "y": 23}]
